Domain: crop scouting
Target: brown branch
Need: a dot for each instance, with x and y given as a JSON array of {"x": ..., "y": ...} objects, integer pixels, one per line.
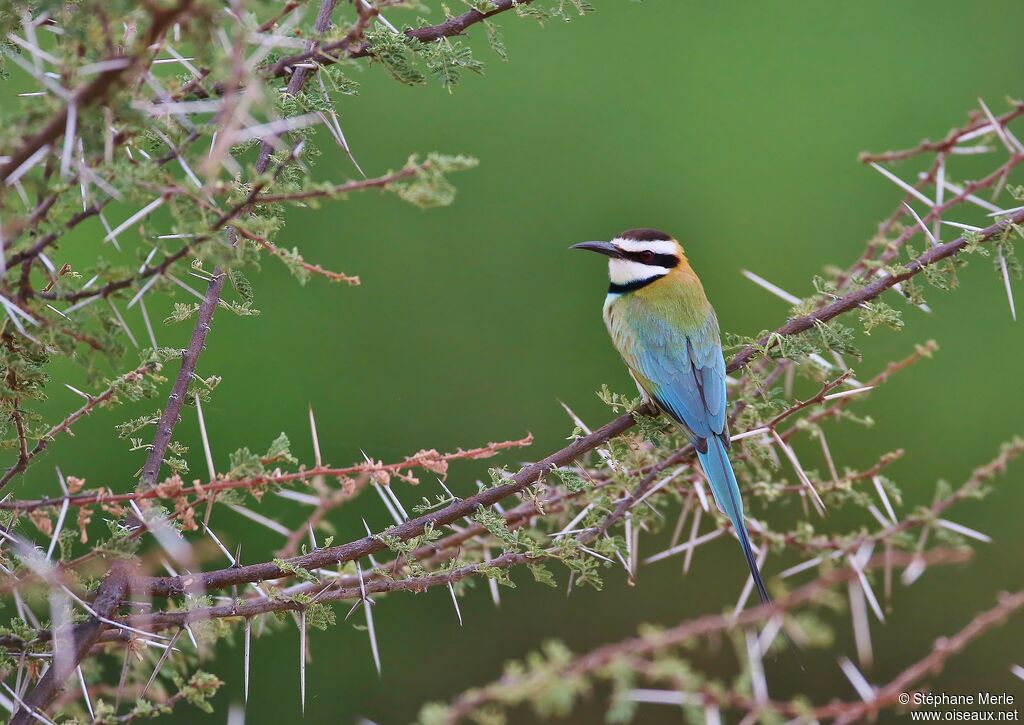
[
  {"x": 942, "y": 150},
  {"x": 428, "y": 460},
  {"x": 175, "y": 586},
  {"x": 346, "y": 188},
  {"x": 977, "y": 121},
  {"x": 932, "y": 663},
  {"x": 91, "y": 404},
  {"x": 97, "y": 89},
  {"x": 78, "y": 217},
  {"x": 348, "y": 588},
  {"x": 530, "y": 474},
  {"x": 704, "y": 626},
  {"x": 111, "y": 592},
  {"x": 527, "y": 476},
  {"x": 179, "y": 391},
  {"x": 868, "y": 292},
  {"x": 293, "y": 258},
  {"x": 331, "y": 53},
  {"x": 197, "y": 342}
]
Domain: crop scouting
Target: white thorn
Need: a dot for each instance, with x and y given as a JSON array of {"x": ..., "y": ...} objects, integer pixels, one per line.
[
  {"x": 316, "y": 439},
  {"x": 245, "y": 656},
  {"x": 160, "y": 662},
  {"x": 885, "y": 498},
  {"x": 861, "y": 625},
  {"x": 959, "y": 225},
  {"x": 913, "y": 571},
  {"x": 866, "y": 587},
  {"x": 206, "y": 440},
  {"x": 827, "y": 453},
  {"x": 220, "y": 546},
  {"x": 140, "y": 214},
  {"x": 861, "y": 685},
  {"x": 491, "y": 583},
  {"x": 775, "y": 290},
  {"x": 694, "y": 528},
  {"x": 57, "y": 528},
  {"x": 455, "y": 602},
  {"x": 757, "y": 679},
  {"x": 27, "y": 165},
  {"x": 85, "y": 692},
  {"x": 964, "y": 530},
  {"x": 971, "y": 197},
  {"x": 576, "y": 519},
  {"x": 699, "y": 485},
  {"x": 1006, "y": 283},
  {"x": 122, "y": 323},
  {"x": 809, "y": 564},
  {"x": 661, "y": 697},
  {"x": 260, "y": 519},
  {"x": 848, "y": 393},
  {"x": 69, "y": 140},
  {"x": 368, "y": 612},
  {"x": 1003, "y": 133},
  {"x": 302, "y": 660},
  {"x": 149, "y": 325},
  {"x": 749, "y": 433},
  {"x": 387, "y": 503},
  {"x": 902, "y": 184},
  {"x": 927, "y": 232},
  {"x": 791, "y": 455},
  {"x": 687, "y": 547}
]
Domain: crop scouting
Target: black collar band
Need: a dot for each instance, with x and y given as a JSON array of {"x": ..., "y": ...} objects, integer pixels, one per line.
[{"x": 618, "y": 289}]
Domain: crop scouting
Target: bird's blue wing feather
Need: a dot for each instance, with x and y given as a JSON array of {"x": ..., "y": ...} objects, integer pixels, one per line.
[{"x": 682, "y": 369}]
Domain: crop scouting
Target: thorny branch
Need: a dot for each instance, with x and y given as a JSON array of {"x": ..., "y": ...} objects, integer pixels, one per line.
[
  {"x": 636, "y": 651},
  {"x": 539, "y": 502},
  {"x": 94, "y": 91},
  {"x": 197, "y": 342},
  {"x": 109, "y": 597},
  {"x": 91, "y": 404}
]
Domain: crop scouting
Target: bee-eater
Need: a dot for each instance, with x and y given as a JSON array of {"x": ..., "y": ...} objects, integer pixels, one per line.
[{"x": 666, "y": 331}]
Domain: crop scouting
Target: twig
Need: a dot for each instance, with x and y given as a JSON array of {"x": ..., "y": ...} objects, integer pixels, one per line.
[
  {"x": 111, "y": 592},
  {"x": 91, "y": 404}
]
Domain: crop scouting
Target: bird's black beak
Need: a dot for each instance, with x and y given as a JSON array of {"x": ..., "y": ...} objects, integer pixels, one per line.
[{"x": 606, "y": 248}]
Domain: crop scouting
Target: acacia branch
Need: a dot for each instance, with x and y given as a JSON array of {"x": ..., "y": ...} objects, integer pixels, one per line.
[
  {"x": 532, "y": 473},
  {"x": 91, "y": 404},
  {"x": 870, "y": 291},
  {"x": 427, "y": 459},
  {"x": 197, "y": 342},
  {"x": 346, "y": 587},
  {"x": 977, "y": 122},
  {"x": 96, "y": 90},
  {"x": 701, "y": 627},
  {"x": 331, "y": 53},
  {"x": 111, "y": 592}
]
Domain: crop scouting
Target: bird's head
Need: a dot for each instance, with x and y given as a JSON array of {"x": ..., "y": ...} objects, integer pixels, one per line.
[{"x": 638, "y": 257}]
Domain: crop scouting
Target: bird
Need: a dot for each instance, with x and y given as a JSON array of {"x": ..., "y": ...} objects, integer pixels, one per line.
[{"x": 666, "y": 331}]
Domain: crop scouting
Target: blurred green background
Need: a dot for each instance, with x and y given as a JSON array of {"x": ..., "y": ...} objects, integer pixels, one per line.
[{"x": 735, "y": 126}]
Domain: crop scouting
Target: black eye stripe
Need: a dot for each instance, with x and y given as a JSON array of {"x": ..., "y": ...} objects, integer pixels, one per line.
[{"x": 660, "y": 260}]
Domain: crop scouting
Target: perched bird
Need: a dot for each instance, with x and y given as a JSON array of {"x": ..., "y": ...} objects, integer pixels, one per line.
[{"x": 666, "y": 331}]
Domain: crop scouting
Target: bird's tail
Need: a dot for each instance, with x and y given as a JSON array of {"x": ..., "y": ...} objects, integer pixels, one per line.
[{"x": 726, "y": 491}]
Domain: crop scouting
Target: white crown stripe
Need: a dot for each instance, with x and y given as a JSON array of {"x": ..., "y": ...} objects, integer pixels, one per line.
[{"x": 658, "y": 246}]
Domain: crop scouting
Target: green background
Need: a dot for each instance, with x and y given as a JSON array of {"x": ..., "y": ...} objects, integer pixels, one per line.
[{"x": 736, "y": 126}]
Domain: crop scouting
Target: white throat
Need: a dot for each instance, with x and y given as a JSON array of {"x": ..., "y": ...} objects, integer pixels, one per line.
[{"x": 626, "y": 271}]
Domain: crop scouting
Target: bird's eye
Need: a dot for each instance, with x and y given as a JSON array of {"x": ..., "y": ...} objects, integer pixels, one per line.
[{"x": 647, "y": 255}]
